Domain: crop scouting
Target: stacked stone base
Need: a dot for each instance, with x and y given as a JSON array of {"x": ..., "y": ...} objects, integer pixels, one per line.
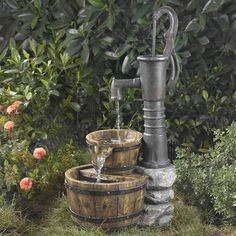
[{"x": 158, "y": 207}]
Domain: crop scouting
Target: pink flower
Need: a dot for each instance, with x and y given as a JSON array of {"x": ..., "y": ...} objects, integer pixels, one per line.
[
  {"x": 1, "y": 107},
  {"x": 26, "y": 183},
  {"x": 9, "y": 125},
  {"x": 39, "y": 153},
  {"x": 17, "y": 103},
  {"x": 11, "y": 109}
]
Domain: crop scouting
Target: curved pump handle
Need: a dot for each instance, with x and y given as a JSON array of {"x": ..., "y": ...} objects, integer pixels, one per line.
[{"x": 169, "y": 36}]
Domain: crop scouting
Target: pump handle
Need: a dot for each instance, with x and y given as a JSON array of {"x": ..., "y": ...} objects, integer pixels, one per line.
[{"x": 169, "y": 36}]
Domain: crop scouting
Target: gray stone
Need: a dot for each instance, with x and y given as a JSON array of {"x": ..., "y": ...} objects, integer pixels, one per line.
[
  {"x": 154, "y": 212},
  {"x": 159, "y": 178},
  {"x": 160, "y": 196},
  {"x": 164, "y": 220}
]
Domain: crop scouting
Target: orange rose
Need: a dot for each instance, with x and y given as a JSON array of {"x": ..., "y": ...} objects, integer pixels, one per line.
[
  {"x": 1, "y": 107},
  {"x": 26, "y": 183},
  {"x": 17, "y": 103},
  {"x": 9, "y": 125},
  {"x": 11, "y": 109},
  {"x": 39, "y": 153}
]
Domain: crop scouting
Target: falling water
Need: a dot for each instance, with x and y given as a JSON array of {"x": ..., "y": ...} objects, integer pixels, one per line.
[
  {"x": 117, "y": 104},
  {"x": 100, "y": 163},
  {"x": 154, "y": 32}
]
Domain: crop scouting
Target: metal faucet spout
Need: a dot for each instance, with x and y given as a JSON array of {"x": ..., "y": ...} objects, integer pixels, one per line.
[{"x": 118, "y": 84}]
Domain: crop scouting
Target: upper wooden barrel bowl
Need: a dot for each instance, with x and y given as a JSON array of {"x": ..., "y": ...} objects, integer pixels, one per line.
[{"x": 122, "y": 156}]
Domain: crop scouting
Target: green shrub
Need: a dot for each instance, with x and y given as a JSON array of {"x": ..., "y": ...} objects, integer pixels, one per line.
[
  {"x": 38, "y": 79},
  {"x": 208, "y": 180},
  {"x": 198, "y": 106}
]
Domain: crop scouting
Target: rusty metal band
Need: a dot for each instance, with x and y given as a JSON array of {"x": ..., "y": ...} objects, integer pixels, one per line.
[
  {"x": 98, "y": 220},
  {"x": 125, "y": 149},
  {"x": 102, "y": 192},
  {"x": 121, "y": 149},
  {"x": 123, "y": 168}
]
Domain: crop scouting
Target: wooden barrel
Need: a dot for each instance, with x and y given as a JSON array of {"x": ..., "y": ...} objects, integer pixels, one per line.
[
  {"x": 115, "y": 202},
  {"x": 123, "y": 155}
]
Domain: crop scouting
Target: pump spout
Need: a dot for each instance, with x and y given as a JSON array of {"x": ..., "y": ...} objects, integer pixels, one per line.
[{"x": 118, "y": 84}]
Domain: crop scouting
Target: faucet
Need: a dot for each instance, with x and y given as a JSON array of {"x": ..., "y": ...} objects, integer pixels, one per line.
[{"x": 152, "y": 82}]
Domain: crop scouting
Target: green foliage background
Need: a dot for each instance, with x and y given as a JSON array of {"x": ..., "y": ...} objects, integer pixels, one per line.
[{"x": 87, "y": 41}]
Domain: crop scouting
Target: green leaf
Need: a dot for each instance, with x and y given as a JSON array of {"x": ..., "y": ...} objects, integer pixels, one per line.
[
  {"x": 141, "y": 11},
  {"x": 12, "y": 43},
  {"x": 33, "y": 46},
  {"x": 205, "y": 95},
  {"x": 111, "y": 55},
  {"x": 106, "y": 105},
  {"x": 38, "y": 4},
  {"x": 203, "y": 40},
  {"x": 29, "y": 96},
  {"x": 191, "y": 5},
  {"x": 78, "y": 76},
  {"x": 26, "y": 54},
  {"x": 85, "y": 54},
  {"x": 96, "y": 3},
  {"x": 110, "y": 21},
  {"x": 43, "y": 135},
  {"x": 107, "y": 40},
  {"x": 12, "y": 71},
  {"x": 121, "y": 51},
  {"x": 34, "y": 22},
  {"x": 126, "y": 65},
  {"x": 54, "y": 92},
  {"x": 223, "y": 99},
  {"x": 12, "y": 4},
  {"x": 3, "y": 54},
  {"x": 45, "y": 83},
  {"x": 202, "y": 22},
  {"x": 187, "y": 98},
  {"x": 234, "y": 96},
  {"x": 193, "y": 25},
  {"x": 212, "y": 5},
  {"x": 73, "y": 31},
  {"x": 15, "y": 55},
  {"x": 75, "y": 106}
]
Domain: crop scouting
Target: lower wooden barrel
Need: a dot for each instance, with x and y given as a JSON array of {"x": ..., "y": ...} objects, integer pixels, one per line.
[
  {"x": 115, "y": 202},
  {"x": 123, "y": 155}
]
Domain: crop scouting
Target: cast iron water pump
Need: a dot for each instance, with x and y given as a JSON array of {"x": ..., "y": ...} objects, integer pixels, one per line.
[{"x": 152, "y": 81}]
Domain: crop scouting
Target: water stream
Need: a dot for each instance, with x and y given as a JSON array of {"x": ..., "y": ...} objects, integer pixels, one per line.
[
  {"x": 100, "y": 163},
  {"x": 117, "y": 104}
]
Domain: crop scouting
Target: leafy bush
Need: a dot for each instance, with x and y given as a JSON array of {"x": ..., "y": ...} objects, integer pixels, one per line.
[
  {"x": 198, "y": 106},
  {"x": 208, "y": 179},
  {"x": 38, "y": 78}
]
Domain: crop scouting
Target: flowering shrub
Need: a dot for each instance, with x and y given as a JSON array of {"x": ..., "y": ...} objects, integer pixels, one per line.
[{"x": 26, "y": 174}]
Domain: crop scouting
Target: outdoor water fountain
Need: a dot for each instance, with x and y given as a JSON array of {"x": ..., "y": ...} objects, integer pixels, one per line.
[{"x": 115, "y": 199}]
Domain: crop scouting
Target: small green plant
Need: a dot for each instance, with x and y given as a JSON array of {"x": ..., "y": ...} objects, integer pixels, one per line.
[{"x": 208, "y": 180}]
